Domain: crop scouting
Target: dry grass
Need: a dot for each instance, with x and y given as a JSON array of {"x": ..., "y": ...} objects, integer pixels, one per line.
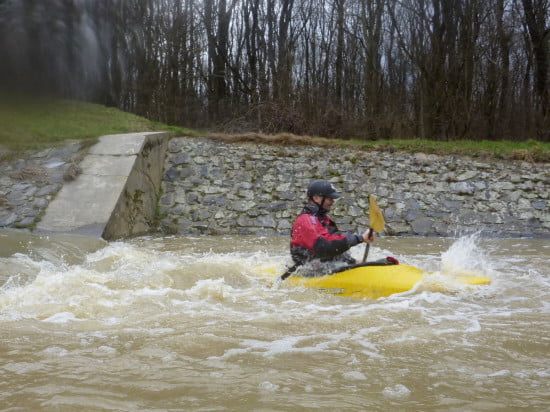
[
  {"x": 531, "y": 151},
  {"x": 281, "y": 139}
]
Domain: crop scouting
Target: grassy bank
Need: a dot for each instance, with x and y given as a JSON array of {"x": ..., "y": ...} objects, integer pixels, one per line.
[
  {"x": 531, "y": 151},
  {"x": 35, "y": 123}
]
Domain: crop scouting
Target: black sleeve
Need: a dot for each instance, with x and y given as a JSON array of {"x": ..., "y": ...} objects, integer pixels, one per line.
[{"x": 330, "y": 248}]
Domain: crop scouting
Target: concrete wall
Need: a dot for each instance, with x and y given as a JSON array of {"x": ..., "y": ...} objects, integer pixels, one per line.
[
  {"x": 213, "y": 187},
  {"x": 117, "y": 191},
  {"x": 136, "y": 210}
]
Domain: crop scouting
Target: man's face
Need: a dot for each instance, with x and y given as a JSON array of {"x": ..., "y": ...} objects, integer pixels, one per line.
[{"x": 327, "y": 202}]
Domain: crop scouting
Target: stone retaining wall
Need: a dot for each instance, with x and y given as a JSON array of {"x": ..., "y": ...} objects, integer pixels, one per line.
[
  {"x": 30, "y": 181},
  {"x": 211, "y": 187}
]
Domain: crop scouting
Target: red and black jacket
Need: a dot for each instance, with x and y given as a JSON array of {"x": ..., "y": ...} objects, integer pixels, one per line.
[{"x": 315, "y": 236}]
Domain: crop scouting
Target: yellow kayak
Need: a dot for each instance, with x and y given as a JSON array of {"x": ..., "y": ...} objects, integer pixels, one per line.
[{"x": 374, "y": 281}]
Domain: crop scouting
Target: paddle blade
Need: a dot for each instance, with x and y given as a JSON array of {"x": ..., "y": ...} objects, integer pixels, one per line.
[{"x": 376, "y": 217}]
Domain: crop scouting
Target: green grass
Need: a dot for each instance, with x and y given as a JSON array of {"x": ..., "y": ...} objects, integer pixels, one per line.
[{"x": 33, "y": 123}]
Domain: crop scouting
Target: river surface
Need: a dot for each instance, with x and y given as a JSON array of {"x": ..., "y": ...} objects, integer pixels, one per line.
[{"x": 194, "y": 323}]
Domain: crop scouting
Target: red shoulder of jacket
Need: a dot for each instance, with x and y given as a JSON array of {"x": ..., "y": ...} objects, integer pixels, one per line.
[{"x": 307, "y": 229}]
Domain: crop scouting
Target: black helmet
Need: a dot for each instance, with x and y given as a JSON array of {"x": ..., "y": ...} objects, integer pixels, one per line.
[{"x": 322, "y": 188}]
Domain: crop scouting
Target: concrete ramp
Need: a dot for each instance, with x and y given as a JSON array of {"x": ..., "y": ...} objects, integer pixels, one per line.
[{"x": 117, "y": 192}]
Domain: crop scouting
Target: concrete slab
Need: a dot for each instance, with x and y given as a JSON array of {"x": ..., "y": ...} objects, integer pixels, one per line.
[
  {"x": 89, "y": 200},
  {"x": 116, "y": 193},
  {"x": 119, "y": 144},
  {"x": 107, "y": 165}
]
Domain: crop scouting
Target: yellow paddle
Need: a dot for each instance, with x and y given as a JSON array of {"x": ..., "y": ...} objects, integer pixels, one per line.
[{"x": 377, "y": 222}]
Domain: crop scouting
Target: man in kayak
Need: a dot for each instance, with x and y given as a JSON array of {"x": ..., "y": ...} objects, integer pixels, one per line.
[{"x": 317, "y": 246}]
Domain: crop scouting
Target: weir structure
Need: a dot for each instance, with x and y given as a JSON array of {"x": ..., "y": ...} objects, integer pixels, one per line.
[
  {"x": 138, "y": 183},
  {"x": 117, "y": 191}
]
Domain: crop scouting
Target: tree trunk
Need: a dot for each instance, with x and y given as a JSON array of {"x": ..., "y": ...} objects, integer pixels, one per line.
[{"x": 536, "y": 17}]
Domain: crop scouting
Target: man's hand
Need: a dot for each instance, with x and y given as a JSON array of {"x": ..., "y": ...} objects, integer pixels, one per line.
[{"x": 368, "y": 236}]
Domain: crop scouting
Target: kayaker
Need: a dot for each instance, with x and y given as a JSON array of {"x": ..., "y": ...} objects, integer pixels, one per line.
[{"x": 317, "y": 244}]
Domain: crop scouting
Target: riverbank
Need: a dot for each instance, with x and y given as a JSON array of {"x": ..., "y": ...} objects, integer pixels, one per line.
[{"x": 219, "y": 187}]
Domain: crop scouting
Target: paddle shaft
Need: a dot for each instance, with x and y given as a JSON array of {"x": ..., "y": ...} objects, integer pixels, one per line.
[
  {"x": 367, "y": 247},
  {"x": 289, "y": 271}
]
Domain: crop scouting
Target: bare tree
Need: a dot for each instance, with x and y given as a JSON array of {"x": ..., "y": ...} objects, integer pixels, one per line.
[
  {"x": 440, "y": 69},
  {"x": 537, "y": 16}
]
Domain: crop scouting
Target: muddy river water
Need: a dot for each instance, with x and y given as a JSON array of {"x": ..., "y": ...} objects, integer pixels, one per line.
[{"x": 196, "y": 323}]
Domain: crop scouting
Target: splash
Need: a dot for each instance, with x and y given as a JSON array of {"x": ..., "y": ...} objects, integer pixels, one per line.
[
  {"x": 465, "y": 255},
  {"x": 115, "y": 280}
]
